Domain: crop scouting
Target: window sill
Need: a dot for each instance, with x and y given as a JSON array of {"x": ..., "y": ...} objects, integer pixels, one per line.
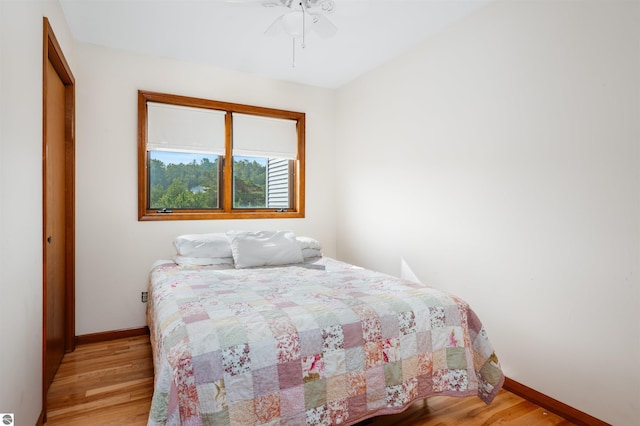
[{"x": 180, "y": 215}]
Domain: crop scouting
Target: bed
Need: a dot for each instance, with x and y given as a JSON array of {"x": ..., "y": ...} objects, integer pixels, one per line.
[{"x": 316, "y": 342}]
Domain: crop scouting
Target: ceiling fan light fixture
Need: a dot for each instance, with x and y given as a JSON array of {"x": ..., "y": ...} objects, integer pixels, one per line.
[
  {"x": 293, "y": 25},
  {"x": 327, "y": 6}
]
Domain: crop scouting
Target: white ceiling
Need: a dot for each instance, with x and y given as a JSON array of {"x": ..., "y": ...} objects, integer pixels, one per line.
[{"x": 218, "y": 33}]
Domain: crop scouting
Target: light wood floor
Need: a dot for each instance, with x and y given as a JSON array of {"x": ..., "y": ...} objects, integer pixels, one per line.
[{"x": 112, "y": 383}]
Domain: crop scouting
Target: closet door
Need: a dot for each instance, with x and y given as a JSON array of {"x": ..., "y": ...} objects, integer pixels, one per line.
[
  {"x": 55, "y": 244},
  {"x": 58, "y": 209}
]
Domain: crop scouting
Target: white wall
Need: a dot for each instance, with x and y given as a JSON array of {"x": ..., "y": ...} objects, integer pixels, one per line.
[
  {"x": 501, "y": 161},
  {"x": 21, "y": 26},
  {"x": 114, "y": 250}
]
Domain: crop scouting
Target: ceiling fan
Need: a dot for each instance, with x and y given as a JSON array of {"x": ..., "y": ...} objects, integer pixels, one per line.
[{"x": 298, "y": 18}]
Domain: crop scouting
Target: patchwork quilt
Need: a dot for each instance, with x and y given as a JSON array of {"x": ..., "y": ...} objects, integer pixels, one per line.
[{"x": 318, "y": 343}]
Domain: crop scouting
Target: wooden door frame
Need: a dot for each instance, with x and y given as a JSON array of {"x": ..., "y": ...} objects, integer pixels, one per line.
[{"x": 53, "y": 53}]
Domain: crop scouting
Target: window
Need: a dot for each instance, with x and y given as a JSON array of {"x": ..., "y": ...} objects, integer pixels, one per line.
[{"x": 203, "y": 159}]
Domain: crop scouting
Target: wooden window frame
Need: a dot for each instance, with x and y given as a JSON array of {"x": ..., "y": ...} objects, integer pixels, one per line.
[{"x": 226, "y": 210}]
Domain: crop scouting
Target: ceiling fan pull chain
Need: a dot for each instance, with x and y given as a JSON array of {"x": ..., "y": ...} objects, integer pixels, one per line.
[
  {"x": 304, "y": 21},
  {"x": 304, "y": 30},
  {"x": 293, "y": 47}
]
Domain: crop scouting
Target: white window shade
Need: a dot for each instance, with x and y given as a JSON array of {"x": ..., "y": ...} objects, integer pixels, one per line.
[
  {"x": 256, "y": 136},
  {"x": 185, "y": 129}
]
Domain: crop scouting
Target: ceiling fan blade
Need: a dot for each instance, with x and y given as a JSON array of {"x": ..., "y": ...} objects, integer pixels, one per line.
[
  {"x": 322, "y": 25},
  {"x": 275, "y": 28}
]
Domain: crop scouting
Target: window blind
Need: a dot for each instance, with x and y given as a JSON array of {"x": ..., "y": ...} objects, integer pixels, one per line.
[
  {"x": 257, "y": 136},
  {"x": 185, "y": 129}
]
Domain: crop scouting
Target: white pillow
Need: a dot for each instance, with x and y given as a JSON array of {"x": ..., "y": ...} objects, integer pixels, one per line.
[
  {"x": 203, "y": 261},
  {"x": 309, "y": 243},
  {"x": 309, "y": 253},
  {"x": 264, "y": 248},
  {"x": 203, "y": 245}
]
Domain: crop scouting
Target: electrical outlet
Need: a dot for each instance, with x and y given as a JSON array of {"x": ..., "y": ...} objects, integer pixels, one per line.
[{"x": 144, "y": 296}]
